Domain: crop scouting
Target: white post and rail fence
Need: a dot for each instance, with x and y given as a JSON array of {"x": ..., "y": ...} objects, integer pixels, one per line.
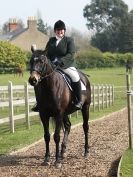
[{"x": 13, "y": 96}]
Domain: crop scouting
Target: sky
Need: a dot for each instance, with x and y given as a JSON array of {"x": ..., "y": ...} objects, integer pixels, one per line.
[{"x": 70, "y": 11}]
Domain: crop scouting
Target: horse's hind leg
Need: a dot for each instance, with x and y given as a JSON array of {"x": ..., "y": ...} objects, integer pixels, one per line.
[
  {"x": 85, "y": 113},
  {"x": 67, "y": 126}
]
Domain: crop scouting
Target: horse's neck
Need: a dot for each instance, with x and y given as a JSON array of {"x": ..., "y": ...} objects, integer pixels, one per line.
[{"x": 53, "y": 82}]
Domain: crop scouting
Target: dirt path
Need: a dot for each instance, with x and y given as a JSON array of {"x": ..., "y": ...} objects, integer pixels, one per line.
[{"x": 108, "y": 140}]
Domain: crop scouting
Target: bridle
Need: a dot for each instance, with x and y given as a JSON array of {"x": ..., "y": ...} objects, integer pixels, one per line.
[{"x": 44, "y": 74}]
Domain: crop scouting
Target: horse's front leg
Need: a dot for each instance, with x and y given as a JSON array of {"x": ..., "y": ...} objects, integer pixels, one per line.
[
  {"x": 67, "y": 126},
  {"x": 58, "y": 123},
  {"x": 45, "y": 122}
]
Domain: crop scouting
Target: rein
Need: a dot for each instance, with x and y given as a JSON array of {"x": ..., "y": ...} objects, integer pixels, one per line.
[{"x": 47, "y": 75}]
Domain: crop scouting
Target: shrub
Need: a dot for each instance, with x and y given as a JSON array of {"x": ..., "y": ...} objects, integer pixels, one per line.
[
  {"x": 89, "y": 59},
  {"x": 128, "y": 57},
  {"x": 94, "y": 58},
  {"x": 120, "y": 59},
  {"x": 109, "y": 59},
  {"x": 28, "y": 55},
  {"x": 11, "y": 56}
]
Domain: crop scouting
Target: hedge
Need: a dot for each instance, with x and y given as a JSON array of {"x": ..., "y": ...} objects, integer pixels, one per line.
[
  {"x": 11, "y": 57},
  {"x": 95, "y": 58}
]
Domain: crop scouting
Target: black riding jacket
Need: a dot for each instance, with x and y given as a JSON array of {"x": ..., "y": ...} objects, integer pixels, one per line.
[{"x": 64, "y": 51}]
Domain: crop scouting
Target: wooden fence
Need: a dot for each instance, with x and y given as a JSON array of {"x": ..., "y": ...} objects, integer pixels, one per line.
[
  {"x": 23, "y": 95},
  {"x": 129, "y": 109}
]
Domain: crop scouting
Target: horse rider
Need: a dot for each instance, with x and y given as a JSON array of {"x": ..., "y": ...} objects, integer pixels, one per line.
[{"x": 60, "y": 50}]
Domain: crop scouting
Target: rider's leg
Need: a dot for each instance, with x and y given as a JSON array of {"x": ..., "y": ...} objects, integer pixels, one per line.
[
  {"x": 73, "y": 73},
  {"x": 77, "y": 90}
]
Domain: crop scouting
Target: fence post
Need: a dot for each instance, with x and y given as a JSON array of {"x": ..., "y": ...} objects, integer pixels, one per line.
[
  {"x": 93, "y": 98},
  {"x": 106, "y": 96},
  {"x": 11, "y": 112},
  {"x": 98, "y": 96},
  {"x": 102, "y": 96},
  {"x": 129, "y": 93},
  {"x": 112, "y": 95},
  {"x": 27, "y": 105}
]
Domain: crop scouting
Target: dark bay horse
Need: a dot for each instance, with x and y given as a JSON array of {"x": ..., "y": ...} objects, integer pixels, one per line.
[
  {"x": 18, "y": 71},
  {"x": 55, "y": 99}
]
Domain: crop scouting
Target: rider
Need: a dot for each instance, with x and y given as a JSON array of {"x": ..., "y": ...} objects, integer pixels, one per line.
[{"x": 60, "y": 50}]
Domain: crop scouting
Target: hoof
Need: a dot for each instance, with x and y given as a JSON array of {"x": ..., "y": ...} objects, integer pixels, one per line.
[
  {"x": 86, "y": 152},
  {"x": 58, "y": 165},
  {"x": 86, "y": 155},
  {"x": 64, "y": 155},
  {"x": 45, "y": 163}
]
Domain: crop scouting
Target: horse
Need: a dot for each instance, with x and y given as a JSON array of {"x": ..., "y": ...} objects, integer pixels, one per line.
[
  {"x": 128, "y": 68},
  {"x": 18, "y": 71},
  {"x": 55, "y": 99}
]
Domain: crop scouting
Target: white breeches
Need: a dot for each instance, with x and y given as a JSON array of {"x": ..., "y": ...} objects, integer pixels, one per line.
[{"x": 73, "y": 73}]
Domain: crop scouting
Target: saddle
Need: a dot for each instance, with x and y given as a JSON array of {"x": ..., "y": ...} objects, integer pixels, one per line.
[{"x": 68, "y": 80}]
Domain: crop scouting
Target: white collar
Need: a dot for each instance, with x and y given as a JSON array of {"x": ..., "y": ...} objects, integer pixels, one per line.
[{"x": 59, "y": 38}]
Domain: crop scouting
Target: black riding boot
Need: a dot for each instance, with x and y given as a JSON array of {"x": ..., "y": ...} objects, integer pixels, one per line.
[
  {"x": 35, "y": 107},
  {"x": 77, "y": 91}
]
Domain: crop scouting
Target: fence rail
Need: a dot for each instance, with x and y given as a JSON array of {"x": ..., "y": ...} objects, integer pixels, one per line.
[{"x": 23, "y": 95}]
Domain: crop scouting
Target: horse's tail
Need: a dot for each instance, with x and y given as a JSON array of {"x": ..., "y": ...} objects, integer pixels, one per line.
[{"x": 52, "y": 121}]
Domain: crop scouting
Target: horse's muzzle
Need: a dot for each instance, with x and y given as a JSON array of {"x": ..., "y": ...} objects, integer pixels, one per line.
[
  {"x": 33, "y": 81},
  {"x": 34, "y": 78}
]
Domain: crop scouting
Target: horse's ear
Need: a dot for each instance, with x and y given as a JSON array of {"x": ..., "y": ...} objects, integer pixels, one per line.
[{"x": 33, "y": 48}]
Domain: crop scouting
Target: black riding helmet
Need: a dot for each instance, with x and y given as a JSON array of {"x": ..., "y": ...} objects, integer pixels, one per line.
[{"x": 59, "y": 25}]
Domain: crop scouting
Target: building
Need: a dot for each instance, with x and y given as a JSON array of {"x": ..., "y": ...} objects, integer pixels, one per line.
[{"x": 25, "y": 37}]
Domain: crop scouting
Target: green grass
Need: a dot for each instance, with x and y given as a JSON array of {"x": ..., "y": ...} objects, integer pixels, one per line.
[
  {"x": 114, "y": 76},
  {"x": 127, "y": 164},
  {"x": 16, "y": 80},
  {"x": 23, "y": 137}
]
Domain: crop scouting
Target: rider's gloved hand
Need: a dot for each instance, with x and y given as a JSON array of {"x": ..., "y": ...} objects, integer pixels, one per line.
[{"x": 56, "y": 62}]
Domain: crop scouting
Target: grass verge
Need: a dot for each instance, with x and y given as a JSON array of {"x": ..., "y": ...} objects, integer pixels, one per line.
[{"x": 127, "y": 164}]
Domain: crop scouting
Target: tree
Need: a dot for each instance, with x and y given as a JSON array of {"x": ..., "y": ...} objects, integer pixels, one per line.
[
  {"x": 101, "y": 13},
  {"x": 41, "y": 27},
  {"x": 81, "y": 40},
  {"x": 105, "y": 17},
  {"x": 108, "y": 40},
  {"x": 126, "y": 34}
]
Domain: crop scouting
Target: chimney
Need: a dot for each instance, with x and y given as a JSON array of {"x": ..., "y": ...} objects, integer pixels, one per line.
[
  {"x": 32, "y": 23},
  {"x": 12, "y": 24}
]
